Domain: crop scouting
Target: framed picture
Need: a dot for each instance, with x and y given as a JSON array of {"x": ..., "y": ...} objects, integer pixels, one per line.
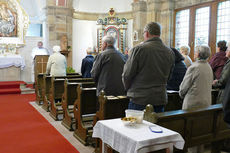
[
  {"x": 14, "y": 22},
  {"x": 135, "y": 36}
]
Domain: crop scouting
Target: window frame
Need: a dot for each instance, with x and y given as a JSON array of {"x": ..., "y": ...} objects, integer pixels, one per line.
[{"x": 212, "y": 25}]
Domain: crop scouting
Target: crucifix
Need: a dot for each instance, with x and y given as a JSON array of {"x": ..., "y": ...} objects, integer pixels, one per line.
[{"x": 43, "y": 63}]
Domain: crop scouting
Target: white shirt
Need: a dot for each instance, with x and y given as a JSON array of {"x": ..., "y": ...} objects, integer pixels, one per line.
[{"x": 39, "y": 51}]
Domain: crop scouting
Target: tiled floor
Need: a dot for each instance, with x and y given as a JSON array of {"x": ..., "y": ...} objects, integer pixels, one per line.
[{"x": 65, "y": 132}]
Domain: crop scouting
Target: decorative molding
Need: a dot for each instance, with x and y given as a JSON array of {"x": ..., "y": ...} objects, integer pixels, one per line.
[{"x": 94, "y": 16}]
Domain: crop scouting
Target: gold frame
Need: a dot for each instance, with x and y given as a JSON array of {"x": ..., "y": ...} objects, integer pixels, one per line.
[{"x": 22, "y": 25}]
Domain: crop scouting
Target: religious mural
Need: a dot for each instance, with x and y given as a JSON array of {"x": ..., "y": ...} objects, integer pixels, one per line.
[{"x": 8, "y": 24}]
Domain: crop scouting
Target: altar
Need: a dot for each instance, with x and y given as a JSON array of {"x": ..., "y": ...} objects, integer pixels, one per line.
[{"x": 11, "y": 67}]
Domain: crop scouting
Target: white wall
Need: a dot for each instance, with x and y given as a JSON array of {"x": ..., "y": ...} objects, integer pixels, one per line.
[
  {"x": 84, "y": 36},
  {"x": 102, "y": 6}
]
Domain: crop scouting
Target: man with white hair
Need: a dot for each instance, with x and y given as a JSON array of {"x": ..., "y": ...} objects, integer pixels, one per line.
[
  {"x": 108, "y": 67},
  {"x": 87, "y": 63},
  {"x": 56, "y": 65}
]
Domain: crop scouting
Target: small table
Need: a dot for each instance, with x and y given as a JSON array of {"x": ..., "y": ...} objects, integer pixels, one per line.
[{"x": 135, "y": 139}]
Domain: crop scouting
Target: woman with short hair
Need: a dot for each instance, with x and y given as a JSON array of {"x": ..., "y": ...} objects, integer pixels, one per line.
[
  {"x": 219, "y": 59},
  {"x": 196, "y": 86},
  {"x": 185, "y": 51},
  {"x": 197, "y": 83}
]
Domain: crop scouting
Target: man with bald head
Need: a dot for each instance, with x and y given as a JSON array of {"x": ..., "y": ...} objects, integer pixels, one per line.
[{"x": 108, "y": 67}]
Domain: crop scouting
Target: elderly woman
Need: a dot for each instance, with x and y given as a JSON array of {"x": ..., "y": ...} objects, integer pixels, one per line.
[
  {"x": 219, "y": 59},
  {"x": 197, "y": 83},
  {"x": 224, "y": 76},
  {"x": 185, "y": 51},
  {"x": 56, "y": 65}
]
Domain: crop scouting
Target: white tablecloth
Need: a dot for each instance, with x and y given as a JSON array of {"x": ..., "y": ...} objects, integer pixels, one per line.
[
  {"x": 12, "y": 60},
  {"x": 130, "y": 139}
]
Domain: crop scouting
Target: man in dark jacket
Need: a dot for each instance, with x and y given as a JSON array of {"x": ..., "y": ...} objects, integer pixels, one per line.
[
  {"x": 87, "y": 64},
  {"x": 147, "y": 71},
  {"x": 178, "y": 72},
  {"x": 108, "y": 67}
]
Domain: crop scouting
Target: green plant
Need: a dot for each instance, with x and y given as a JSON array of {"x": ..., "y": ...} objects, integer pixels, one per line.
[{"x": 70, "y": 70}]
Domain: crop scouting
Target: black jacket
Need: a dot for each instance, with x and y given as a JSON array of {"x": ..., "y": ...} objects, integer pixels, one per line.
[
  {"x": 226, "y": 102},
  {"x": 86, "y": 66},
  {"x": 178, "y": 72}
]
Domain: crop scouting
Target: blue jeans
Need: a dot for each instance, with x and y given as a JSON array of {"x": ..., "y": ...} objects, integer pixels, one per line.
[{"x": 157, "y": 109}]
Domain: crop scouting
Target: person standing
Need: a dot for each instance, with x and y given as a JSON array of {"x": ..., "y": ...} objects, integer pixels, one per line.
[
  {"x": 196, "y": 86},
  {"x": 87, "y": 64},
  {"x": 224, "y": 76},
  {"x": 219, "y": 59},
  {"x": 147, "y": 71},
  {"x": 108, "y": 67},
  {"x": 56, "y": 65},
  {"x": 178, "y": 71},
  {"x": 185, "y": 51},
  {"x": 39, "y": 50}
]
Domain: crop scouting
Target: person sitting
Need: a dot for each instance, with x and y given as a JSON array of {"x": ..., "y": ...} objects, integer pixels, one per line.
[
  {"x": 178, "y": 72},
  {"x": 224, "y": 76},
  {"x": 56, "y": 65},
  {"x": 185, "y": 51},
  {"x": 108, "y": 67},
  {"x": 219, "y": 59},
  {"x": 87, "y": 64}
]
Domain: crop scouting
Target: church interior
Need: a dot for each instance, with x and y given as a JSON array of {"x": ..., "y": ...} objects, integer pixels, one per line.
[{"x": 50, "y": 116}]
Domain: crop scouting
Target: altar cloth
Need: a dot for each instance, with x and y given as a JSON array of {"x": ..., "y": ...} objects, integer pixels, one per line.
[{"x": 12, "y": 60}]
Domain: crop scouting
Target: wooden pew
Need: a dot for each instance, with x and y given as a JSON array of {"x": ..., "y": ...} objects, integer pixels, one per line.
[
  {"x": 69, "y": 97},
  {"x": 85, "y": 108},
  {"x": 46, "y": 92},
  {"x": 201, "y": 126},
  {"x": 38, "y": 87},
  {"x": 55, "y": 95},
  {"x": 110, "y": 107},
  {"x": 175, "y": 102}
]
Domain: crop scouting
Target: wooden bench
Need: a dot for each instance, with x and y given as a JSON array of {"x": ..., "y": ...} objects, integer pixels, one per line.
[
  {"x": 110, "y": 107},
  {"x": 85, "y": 108},
  {"x": 46, "y": 92},
  {"x": 69, "y": 97},
  {"x": 38, "y": 88},
  {"x": 175, "y": 102},
  {"x": 55, "y": 95},
  {"x": 201, "y": 126}
]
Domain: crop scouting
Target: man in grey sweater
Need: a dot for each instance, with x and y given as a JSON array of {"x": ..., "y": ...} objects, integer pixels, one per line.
[{"x": 147, "y": 71}]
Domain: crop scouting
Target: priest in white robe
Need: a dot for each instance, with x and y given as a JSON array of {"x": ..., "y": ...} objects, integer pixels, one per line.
[{"x": 39, "y": 50}]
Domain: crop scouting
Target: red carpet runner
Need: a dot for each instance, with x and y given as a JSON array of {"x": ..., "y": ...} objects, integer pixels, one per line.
[
  {"x": 24, "y": 130},
  {"x": 10, "y": 87}
]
